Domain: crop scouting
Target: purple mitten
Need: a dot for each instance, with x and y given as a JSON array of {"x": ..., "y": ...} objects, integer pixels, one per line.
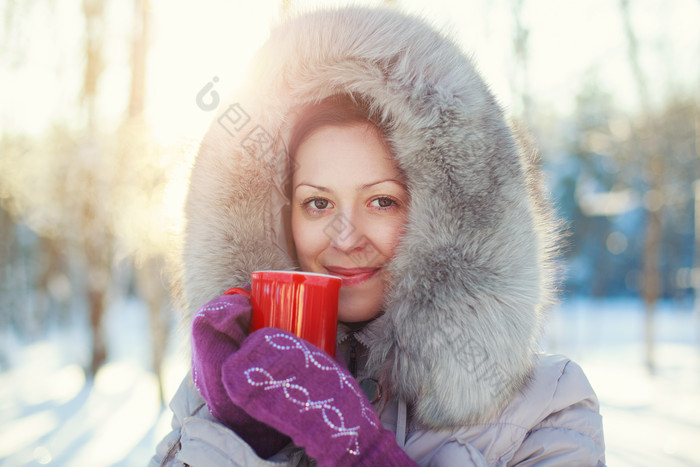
[
  {"x": 218, "y": 329},
  {"x": 295, "y": 387}
]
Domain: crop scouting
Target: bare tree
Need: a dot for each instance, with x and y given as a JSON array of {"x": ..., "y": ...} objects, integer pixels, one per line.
[
  {"x": 92, "y": 194},
  {"x": 519, "y": 76},
  {"x": 651, "y": 155},
  {"x": 95, "y": 234},
  {"x": 150, "y": 261},
  {"x": 695, "y": 271}
]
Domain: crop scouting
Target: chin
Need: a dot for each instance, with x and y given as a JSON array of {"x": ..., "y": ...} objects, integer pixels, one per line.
[{"x": 358, "y": 309}]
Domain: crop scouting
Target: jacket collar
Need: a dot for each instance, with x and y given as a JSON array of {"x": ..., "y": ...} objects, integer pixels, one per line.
[{"x": 365, "y": 335}]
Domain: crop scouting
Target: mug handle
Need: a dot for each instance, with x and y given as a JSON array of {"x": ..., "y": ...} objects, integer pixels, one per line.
[{"x": 238, "y": 290}]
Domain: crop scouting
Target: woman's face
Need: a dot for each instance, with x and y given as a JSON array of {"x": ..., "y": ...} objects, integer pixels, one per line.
[{"x": 349, "y": 206}]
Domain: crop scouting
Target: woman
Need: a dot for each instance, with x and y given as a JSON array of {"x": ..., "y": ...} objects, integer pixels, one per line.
[{"x": 368, "y": 147}]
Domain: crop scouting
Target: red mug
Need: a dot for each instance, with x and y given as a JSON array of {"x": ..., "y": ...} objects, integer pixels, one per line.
[{"x": 303, "y": 303}]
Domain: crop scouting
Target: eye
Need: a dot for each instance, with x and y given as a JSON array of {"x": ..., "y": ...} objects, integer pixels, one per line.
[
  {"x": 316, "y": 205},
  {"x": 384, "y": 202},
  {"x": 319, "y": 203}
]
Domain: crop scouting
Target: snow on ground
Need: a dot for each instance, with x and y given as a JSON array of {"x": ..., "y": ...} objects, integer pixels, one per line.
[
  {"x": 649, "y": 420},
  {"x": 50, "y": 415}
]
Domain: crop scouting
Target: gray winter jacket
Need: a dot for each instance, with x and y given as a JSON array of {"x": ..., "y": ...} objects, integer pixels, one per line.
[{"x": 471, "y": 276}]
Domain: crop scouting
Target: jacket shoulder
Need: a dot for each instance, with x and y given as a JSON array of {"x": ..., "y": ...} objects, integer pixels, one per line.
[
  {"x": 552, "y": 420},
  {"x": 554, "y": 383},
  {"x": 559, "y": 410}
]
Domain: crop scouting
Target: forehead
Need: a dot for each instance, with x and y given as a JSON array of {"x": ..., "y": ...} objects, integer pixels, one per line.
[{"x": 334, "y": 152}]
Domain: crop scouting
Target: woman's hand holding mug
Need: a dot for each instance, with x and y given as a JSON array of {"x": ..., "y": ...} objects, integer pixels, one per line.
[
  {"x": 305, "y": 304},
  {"x": 218, "y": 331}
]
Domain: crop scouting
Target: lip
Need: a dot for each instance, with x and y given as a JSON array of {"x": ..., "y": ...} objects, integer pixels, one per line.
[{"x": 353, "y": 276}]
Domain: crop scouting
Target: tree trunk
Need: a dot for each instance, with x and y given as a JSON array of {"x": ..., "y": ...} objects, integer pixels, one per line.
[
  {"x": 149, "y": 277},
  {"x": 150, "y": 283},
  {"x": 519, "y": 81},
  {"x": 651, "y": 280},
  {"x": 95, "y": 235},
  {"x": 99, "y": 344},
  {"x": 139, "y": 52},
  {"x": 650, "y": 151},
  {"x": 695, "y": 271}
]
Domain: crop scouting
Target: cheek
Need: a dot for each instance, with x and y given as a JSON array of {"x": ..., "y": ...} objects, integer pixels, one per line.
[
  {"x": 307, "y": 241},
  {"x": 388, "y": 234}
]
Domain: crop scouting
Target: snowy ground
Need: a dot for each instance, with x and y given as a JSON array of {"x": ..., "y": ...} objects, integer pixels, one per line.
[
  {"x": 649, "y": 420},
  {"x": 49, "y": 415}
]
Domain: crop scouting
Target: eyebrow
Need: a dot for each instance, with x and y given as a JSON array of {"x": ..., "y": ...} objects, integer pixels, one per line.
[
  {"x": 319, "y": 188},
  {"x": 363, "y": 187}
]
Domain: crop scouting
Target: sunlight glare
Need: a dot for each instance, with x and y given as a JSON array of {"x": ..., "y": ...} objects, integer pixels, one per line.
[
  {"x": 16, "y": 435},
  {"x": 66, "y": 383},
  {"x": 197, "y": 44}
]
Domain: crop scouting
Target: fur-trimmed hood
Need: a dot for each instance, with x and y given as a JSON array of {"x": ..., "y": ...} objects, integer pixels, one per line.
[{"x": 472, "y": 272}]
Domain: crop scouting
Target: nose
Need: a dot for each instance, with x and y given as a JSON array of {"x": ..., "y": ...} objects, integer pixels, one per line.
[{"x": 346, "y": 233}]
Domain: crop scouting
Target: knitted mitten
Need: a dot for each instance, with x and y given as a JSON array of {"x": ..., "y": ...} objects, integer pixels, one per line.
[
  {"x": 301, "y": 391},
  {"x": 218, "y": 329}
]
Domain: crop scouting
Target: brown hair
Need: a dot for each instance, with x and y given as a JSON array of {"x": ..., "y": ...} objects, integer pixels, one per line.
[{"x": 335, "y": 110}]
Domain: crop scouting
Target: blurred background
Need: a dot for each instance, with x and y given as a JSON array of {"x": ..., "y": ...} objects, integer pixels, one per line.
[{"x": 102, "y": 103}]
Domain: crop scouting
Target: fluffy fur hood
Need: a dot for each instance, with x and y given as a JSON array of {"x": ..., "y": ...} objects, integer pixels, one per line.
[{"x": 472, "y": 273}]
